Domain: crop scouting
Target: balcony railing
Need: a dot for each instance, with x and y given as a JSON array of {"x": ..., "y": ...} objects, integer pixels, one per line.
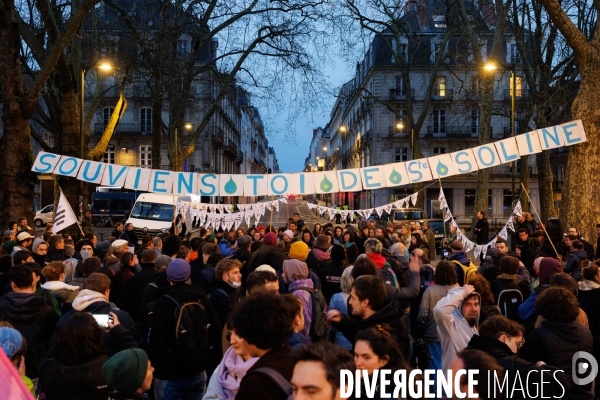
[
  {"x": 126, "y": 129},
  {"x": 230, "y": 146},
  {"x": 396, "y": 95},
  {"x": 450, "y": 131},
  {"x": 394, "y": 131},
  {"x": 446, "y": 94},
  {"x": 522, "y": 94}
]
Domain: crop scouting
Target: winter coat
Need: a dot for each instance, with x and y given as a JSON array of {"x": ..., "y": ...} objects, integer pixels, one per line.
[
  {"x": 257, "y": 386},
  {"x": 499, "y": 284},
  {"x": 223, "y": 298},
  {"x": 482, "y": 231},
  {"x": 225, "y": 249},
  {"x": 555, "y": 343},
  {"x": 331, "y": 279},
  {"x": 572, "y": 266},
  {"x": 295, "y": 289},
  {"x": 82, "y": 381},
  {"x": 430, "y": 235},
  {"x": 55, "y": 255},
  {"x": 64, "y": 293},
  {"x": 130, "y": 236},
  {"x": 514, "y": 365},
  {"x": 425, "y": 320},
  {"x": 464, "y": 260},
  {"x": 339, "y": 302},
  {"x": 119, "y": 293},
  {"x": 135, "y": 288},
  {"x": 36, "y": 320},
  {"x": 453, "y": 329},
  {"x": 315, "y": 264},
  {"x": 162, "y": 334}
]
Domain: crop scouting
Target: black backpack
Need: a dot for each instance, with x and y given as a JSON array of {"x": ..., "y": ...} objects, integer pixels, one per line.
[
  {"x": 318, "y": 326},
  {"x": 191, "y": 332},
  {"x": 509, "y": 301},
  {"x": 278, "y": 379}
]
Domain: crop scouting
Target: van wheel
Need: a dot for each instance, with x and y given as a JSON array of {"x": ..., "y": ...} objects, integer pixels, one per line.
[{"x": 38, "y": 223}]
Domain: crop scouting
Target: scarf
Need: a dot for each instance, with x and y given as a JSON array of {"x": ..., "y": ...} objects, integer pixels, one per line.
[
  {"x": 87, "y": 297},
  {"x": 349, "y": 244},
  {"x": 588, "y": 285},
  {"x": 58, "y": 285},
  {"x": 506, "y": 276},
  {"x": 232, "y": 370},
  {"x": 320, "y": 254},
  {"x": 378, "y": 259}
]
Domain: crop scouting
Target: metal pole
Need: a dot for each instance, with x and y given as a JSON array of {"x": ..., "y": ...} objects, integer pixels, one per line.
[
  {"x": 512, "y": 131},
  {"x": 81, "y": 138},
  {"x": 175, "y": 148}
]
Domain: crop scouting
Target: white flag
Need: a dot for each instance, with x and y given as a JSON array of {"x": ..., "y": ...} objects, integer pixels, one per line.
[
  {"x": 477, "y": 251},
  {"x": 518, "y": 209},
  {"x": 413, "y": 198},
  {"x": 441, "y": 195},
  {"x": 64, "y": 215},
  {"x": 379, "y": 210},
  {"x": 503, "y": 233}
]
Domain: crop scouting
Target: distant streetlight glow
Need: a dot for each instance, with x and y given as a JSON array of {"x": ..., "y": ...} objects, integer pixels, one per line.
[{"x": 399, "y": 125}]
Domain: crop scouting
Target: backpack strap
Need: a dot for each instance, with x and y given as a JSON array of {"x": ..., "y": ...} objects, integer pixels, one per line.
[
  {"x": 221, "y": 290},
  {"x": 275, "y": 377}
]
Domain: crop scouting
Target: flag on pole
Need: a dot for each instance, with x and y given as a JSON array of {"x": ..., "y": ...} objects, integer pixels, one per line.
[{"x": 64, "y": 215}]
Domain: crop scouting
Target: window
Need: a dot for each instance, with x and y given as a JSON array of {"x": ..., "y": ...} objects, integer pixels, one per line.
[
  {"x": 439, "y": 150},
  {"x": 100, "y": 204},
  {"x": 401, "y": 154},
  {"x": 109, "y": 157},
  {"x": 436, "y": 50},
  {"x": 106, "y": 114},
  {"x": 120, "y": 204},
  {"x": 515, "y": 56},
  {"x": 439, "y": 121},
  {"x": 518, "y": 88},
  {"x": 507, "y": 205},
  {"x": 399, "y": 87},
  {"x": 183, "y": 47},
  {"x": 561, "y": 173},
  {"x": 146, "y": 120},
  {"x": 440, "y": 86},
  {"x": 439, "y": 21},
  {"x": 475, "y": 121},
  {"x": 146, "y": 156},
  {"x": 400, "y": 50}
]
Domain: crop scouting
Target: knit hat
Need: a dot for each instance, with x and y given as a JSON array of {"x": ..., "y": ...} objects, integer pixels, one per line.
[
  {"x": 270, "y": 239},
  {"x": 126, "y": 370},
  {"x": 179, "y": 270},
  {"x": 102, "y": 248},
  {"x": 294, "y": 270},
  {"x": 289, "y": 234},
  {"x": 260, "y": 228},
  {"x": 8, "y": 233},
  {"x": 299, "y": 251},
  {"x": 36, "y": 242},
  {"x": 162, "y": 261},
  {"x": 11, "y": 341},
  {"x": 243, "y": 241},
  {"x": 548, "y": 267},
  {"x": 266, "y": 267},
  {"x": 211, "y": 238},
  {"x": 323, "y": 242},
  {"x": 117, "y": 244}
]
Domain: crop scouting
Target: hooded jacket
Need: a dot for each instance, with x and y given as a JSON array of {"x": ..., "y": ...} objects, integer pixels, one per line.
[
  {"x": 36, "y": 321},
  {"x": 556, "y": 343},
  {"x": 453, "y": 329},
  {"x": 572, "y": 265}
]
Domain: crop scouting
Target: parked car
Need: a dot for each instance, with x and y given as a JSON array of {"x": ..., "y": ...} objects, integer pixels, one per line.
[
  {"x": 404, "y": 215},
  {"x": 43, "y": 216}
]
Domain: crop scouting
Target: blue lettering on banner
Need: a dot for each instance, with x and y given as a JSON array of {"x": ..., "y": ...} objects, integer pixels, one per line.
[
  {"x": 368, "y": 178},
  {"x": 569, "y": 133},
  {"x": 343, "y": 174},
  {"x": 189, "y": 184},
  {"x": 46, "y": 164},
  {"x": 469, "y": 167},
  {"x": 416, "y": 172},
  {"x": 529, "y": 146},
  {"x": 507, "y": 157},
  {"x": 136, "y": 183},
  {"x": 112, "y": 181},
  {"x": 480, "y": 156},
  {"x": 302, "y": 183},
  {"x": 62, "y": 164},
  {"x": 547, "y": 134},
  {"x": 87, "y": 168},
  {"x": 285, "y": 186},
  {"x": 255, "y": 178},
  {"x": 158, "y": 181},
  {"x": 210, "y": 185}
]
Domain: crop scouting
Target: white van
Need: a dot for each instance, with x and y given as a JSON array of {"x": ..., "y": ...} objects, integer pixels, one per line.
[{"x": 153, "y": 214}]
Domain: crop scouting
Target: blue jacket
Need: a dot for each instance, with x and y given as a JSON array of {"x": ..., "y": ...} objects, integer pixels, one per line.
[{"x": 225, "y": 249}]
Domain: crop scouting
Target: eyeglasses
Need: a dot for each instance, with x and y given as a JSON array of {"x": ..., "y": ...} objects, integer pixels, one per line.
[{"x": 520, "y": 344}]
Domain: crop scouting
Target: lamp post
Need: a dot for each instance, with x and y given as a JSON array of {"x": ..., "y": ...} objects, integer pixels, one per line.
[
  {"x": 106, "y": 67},
  {"x": 399, "y": 126},
  {"x": 492, "y": 65},
  {"x": 188, "y": 126}
]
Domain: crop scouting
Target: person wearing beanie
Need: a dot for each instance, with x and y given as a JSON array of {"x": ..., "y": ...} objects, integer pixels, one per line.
[
  {"x": 299, "y": 251},
  {"x": 548, "y": 267},
  {"x": 295, "y": 274},
  {"x": 270, "y": 239},
  {"x": 13, "y": 345},
  {"x": 184, "y": 375},
  {"x": 128, "y": 374},
  {"x": 261, "y": 229},
  {"x": 319, "y": 256},
  {"x": 288, "y": 235}
]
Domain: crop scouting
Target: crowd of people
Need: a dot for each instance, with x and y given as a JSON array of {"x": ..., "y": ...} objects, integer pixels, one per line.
[{"x": 270, "y": 312}]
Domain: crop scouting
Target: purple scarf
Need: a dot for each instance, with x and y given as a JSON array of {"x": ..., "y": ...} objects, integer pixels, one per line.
[
  {"x": 232, "y": 369},
  {"x": 320, "y": 254},
  {"x": 304, "y": 295}
]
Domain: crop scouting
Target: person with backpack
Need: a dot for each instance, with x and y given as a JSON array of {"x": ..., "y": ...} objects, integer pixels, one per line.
[
  {"x": 576, "y": 256},
  {"x": 211, "y": 255},
  {"x": 373, "y": 249},
  {"x": 184, "y": 333},
  {"x": 464, "y": 266},
  {"x": 263, "y": 323},
  {"x": 509, "y": 291},
  {"x": 295, "y": 274},
  {"x": 226, "y": 288}
]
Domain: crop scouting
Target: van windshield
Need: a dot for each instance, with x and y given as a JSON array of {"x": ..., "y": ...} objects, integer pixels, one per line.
[
  {"x": 408, "y": 214},
  {"x": 153, "y": 211}
]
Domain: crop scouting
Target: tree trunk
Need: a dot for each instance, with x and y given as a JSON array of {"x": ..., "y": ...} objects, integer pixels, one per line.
[
  {"x": 545, "y": 182},
  {"x": 16, "y": 177},
  {"x": 580, "y": 206},
  {"x": 157, "y": 132}
]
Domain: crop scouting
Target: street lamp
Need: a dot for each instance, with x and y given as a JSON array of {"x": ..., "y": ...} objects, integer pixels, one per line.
[
  {"x": 400, "y": 126},
  {"x": 187, "y": 126},
  {"x": 325, "y": 158},
  {"x": 104, "y": 66},
  {"x": 492, "y": 65}
]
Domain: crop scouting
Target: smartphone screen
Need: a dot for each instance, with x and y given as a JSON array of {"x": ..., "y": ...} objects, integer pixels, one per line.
[{"x": 101, "y": 319}]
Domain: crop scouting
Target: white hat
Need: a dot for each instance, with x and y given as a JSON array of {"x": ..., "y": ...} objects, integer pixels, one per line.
[
  {"x": 289, "y": 234},
  {"x": 267, "y": 268},
  {"x": 119, "y": 243},
  {"x": 24, "y": 235}
]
